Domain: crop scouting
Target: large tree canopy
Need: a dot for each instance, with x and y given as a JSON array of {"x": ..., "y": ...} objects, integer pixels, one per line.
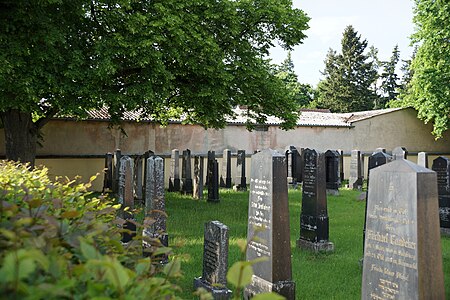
[
  {"x": 168, "y": 58},
  {"x": 429, "y": 88}
]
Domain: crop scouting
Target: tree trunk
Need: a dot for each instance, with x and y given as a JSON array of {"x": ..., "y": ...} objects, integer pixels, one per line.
[{"x": 20, "y": 136}]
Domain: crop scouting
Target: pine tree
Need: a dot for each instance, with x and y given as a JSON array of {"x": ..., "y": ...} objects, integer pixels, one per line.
[
  {"x": 349, "y": 76},
  {"x": 389, "y": 80}
]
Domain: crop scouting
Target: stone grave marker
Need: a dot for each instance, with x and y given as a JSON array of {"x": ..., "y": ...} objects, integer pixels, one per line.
[
  {"x": 215, "y": 261},
  {"x": 333, "y": 180},
  {"x": 146, "y": 155},
  {"x": 380, "y": 149},
  {"x": 225, "y": 176},
  {"x": 441, "y": 166},
  {"x": 269, "y": 211},
  {"x": 422, "y": 159},
  {"x": 198, "y": 177},
  {"x": 174, "y": 177},
  {"x": 186, "y": 173},
  {"x": 293, "y": 166},
  {"x": 126, "y": 197},
  {"x": 400, "y": 153},
  {"x": 402, "y": 255},
  {"x": 108, "y": 179},
  {"x": 241, "y": 180},
  {"x": 355, "y": 180},
  {"x": 341, "y": 165},
  {"x": 314, "y": 222},
  {"x": 116, "y": 170},
  {"x": 213, "y": 181},
  {"x": 138, "y": 188}
]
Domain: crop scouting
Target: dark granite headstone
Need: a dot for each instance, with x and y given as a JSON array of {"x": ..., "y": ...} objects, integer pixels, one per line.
[
  {"x": 314, "y": 230},
  {"x": 333, "y": 180},
  {"x": 441, "y": 166},
  {"x": 108, "y": 179},
  {"x": 400, "y": 153},
  {"x": 126, "y": 197},
  {"x": 186, "y": 173},
  {"x": 402, "y": 255},
  {"x": 269, "y": 210},
  {"x": 215, "y": 261},
  {"x": 225, "y": 176},
  {"x": 293, "y": 166},
  {"x": 174, "y": 177},
  {"x": 422, "y": 159},
  {"x": 116, "y": 170},
  {"x": 198, "y": 177},
  {"x": 155, "y": 205},
  {"x": 213, "y": 182},
  {"x": 341, "y": 165},
  {"x": 209, "y": 165},
  {"x": 240, "y": 183},
  {"x": 355, "y": 180}
]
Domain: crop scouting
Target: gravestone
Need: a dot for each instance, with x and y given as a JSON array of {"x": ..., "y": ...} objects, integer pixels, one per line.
[
  {"x": 341, "y": 165},
  {"x": 293, "y": 166},
  {"x": 441, "y": 166},
  {"x": 126, "y": 197},
  {"x": 314, "y": 229},
  {"x": 155, "y": 206},
  {"x": 116, "y": 169},
  {"x": 361, "y": 166},
  {"x": 333, "y": 180},
  {"x": 213, "y": 181},
  {"x": 400, "y": 153},
  {"x": 108, "y": 179},
  {"x": 355, "y": 180},
  {"x": 198, "y": 177},
  {"x": 422, "y": 159},
  {"x": 174, "y": 177},
  {"x": 225, "y": 176},
  {"x": 215, "y": 261},
  {"x": 240, "y": 183},
  {"x": 402, "y": 255},
  {"x": 380, "y": 149},
  {"x": 146, "y": 155},
  {"x": 186, "y": 173},
  {"x": 138, "y": 189},
  {"x": 269, "y": 210},
  {"x": 209, "y": 165}
]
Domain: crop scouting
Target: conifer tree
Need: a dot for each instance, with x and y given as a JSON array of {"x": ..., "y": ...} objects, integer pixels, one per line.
[{"x": 389, "y": 80}]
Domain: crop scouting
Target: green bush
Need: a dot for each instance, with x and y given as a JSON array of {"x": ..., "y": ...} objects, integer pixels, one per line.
[{"x": 58, "y": 241}]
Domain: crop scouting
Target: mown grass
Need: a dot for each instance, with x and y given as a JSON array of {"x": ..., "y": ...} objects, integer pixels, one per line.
[{"x": 317, "y": 276}]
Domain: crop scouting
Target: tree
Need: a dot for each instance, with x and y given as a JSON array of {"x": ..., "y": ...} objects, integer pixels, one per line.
[
  {"x": 349, "y": 77},
  {"x": 301, "y": 93},
  {"x": 389, "y": 80},
  {"x": 165, "y": 58},
  {"x": 429, "y": 89}
]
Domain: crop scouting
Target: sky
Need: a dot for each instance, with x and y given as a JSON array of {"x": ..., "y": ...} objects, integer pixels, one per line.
[{"x": 383, "y": 23}]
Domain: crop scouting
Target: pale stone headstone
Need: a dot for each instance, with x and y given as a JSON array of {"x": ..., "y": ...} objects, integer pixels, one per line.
[
  {"x": 116, "y": 170},
  {"x": 186, "y": 173},
  {"x": 198, "y": 177},
  {"x": 126, "y": 197},
  {"x": 355, "y": 180},
  {"x": 314, "y": 222},
  {"x": 422, "y": 159},
  {"x": 108, "y": 179},
  {"x": 174, "y": 177},
  {"x": 240, "y": 184},
  {"x": 269, "y": 210},
  {"x": 225, "y": 176},
  {"x": 146, "y": 155},
  {"x": 441, "y": 166},
  {"x": 215, "y": 261},
  {"x": 400, "y": 153},
  {"x": 333, "y": 180},
  {"x": 138, "y": 170},
  {"x": 402, "y": 255}
]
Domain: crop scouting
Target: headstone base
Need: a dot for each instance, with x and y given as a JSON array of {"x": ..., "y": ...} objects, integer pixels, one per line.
[
  {"x": 259, "y": 286},
  {"x": 445, "y": 231},
  {"x": 217, "y": 293},
  {"x": 315, "y": 247},
  {"x": 332, "y": 192}
]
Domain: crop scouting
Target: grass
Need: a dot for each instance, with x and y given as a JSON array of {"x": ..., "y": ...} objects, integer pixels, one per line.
[{"x": 317, "y": 276}]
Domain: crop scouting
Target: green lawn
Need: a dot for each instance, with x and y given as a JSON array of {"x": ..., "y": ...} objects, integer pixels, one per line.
[{"x": 322, "y": 276}]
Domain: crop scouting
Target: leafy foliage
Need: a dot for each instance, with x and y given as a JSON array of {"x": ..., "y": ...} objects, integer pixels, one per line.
[
  {"x": 429, "y": 91},
  {"x": 389, "y": 80},
  {"x": 349, "y": 76},
  {"x": 57, "y": 241}
]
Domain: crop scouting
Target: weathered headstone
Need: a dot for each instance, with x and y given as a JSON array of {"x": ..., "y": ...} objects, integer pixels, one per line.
[
  {"x": 269, "y": 210},
  {"x": 225, "y": 176},
  {"x": 240, "y": 183},
  {"x": 198, "y": 177},
  {"x": 333, "y": 180},
  {"x": 213, "y": 181},
  {"x": 146, "y": 155},
  {"x": 422, "y": 159},
  {"x": 341, "y": 165},
  {"x": 186, "y": 173},
  {"x": 215, "y": 261},
  {"x": 355, "y": 180},
  {"x": 138, "y": 189},
  {"x": 361, "y": 166},
  {"x": 402, "y": 255},
  {"x": 174, "y": 178},
  {"x": 380, "y": 149},
  {"x": 126, "y": 197},
  {"x": 293, "y": 166},
  {"x": 441, "y": 166},
  {"x": 155, "y": 205},
  {"x": 116, "y": 170},
  {"x": 400, "y": 153},
  {"x": 314, "y": 223},
  {"x": 108, "y": 179}
]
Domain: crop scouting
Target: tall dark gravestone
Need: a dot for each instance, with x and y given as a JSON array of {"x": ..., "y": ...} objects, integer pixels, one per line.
[
  {"x": 215, "y": 261},
  {"x": 138, "y": 189},
  {"x": 186, "y": 173},
  {"x": 355, "y": 180},
  {"x": 400, "y": 153},
  {"x": 293, "y": 166},
  {"x": 126, "y": 197},
  {"x": 341, "y": 165},
  {"x": 174, "y": 178},
  {"x": 402, "y": 253},
  {"x": 116, "y": 170},
  {"x": 240, "y": 183},
  {"x": 198, "y": 177},
  {"x": 314, "y": 229},
  {"x": 333, "y": 180},
  {"x": 213, "y": 182},
  {"x": 441, "y": 166},
  {"x": 422, "y": 159},
  {"x": 108, "y": 179},
  {"x": 225, "y": 176},
  {"x": 269, "y": 210}
]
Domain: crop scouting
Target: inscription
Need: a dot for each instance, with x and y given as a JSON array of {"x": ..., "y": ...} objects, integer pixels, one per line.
[
  {"x": 211, "y": 256},
  {"x": 260, "y": 210}
]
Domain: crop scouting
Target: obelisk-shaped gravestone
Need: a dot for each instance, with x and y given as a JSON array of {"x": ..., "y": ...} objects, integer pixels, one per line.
[
  {"x": 225, "y": 176},
  {"x": 422, "y": 159},
  {"x": 215, "y": 261},
  {"x": 213, "y": 181},
  {"x": 402, "y": 253},
  {"x": 174, "y": 177},
  {"x": 240, "y": 184},
  {"x": 400, "y": 153},
  {"x": 186, "y": 173},
  {"x": 333, "y": 180},
  {"x": 155, "y": 204},
  {"x": 198, "y": 177},
  {"x": 355, "y": 180},
  {"x": 108, "y": 179},
  {"x": 126, "y": 197},
  {"x": 269, "y": 210},
  {"x": 441, "y": 166},
  {"x": 116, "y": 170},
  {"x": 314, "y": 230}
]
